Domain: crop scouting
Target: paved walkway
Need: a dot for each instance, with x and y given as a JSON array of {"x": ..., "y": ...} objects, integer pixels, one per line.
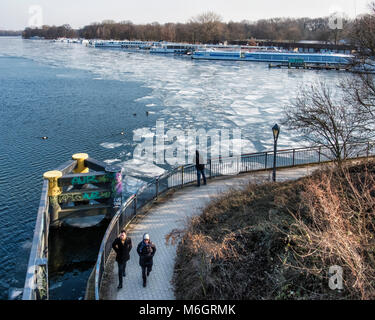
[{"x": 174, "y": 214}]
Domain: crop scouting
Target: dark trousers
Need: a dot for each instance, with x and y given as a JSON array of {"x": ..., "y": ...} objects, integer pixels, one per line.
[
  {"x": 145, "y": 269},
  {"x": 121, "y": 270},
  {"x": 199, "y": 172}
]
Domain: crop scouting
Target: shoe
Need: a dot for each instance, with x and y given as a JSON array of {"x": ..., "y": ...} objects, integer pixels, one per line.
[
  {"x": 144, "y": 284},
  {"x": 119, "y": 286},
  {"x": 148, "y": 273}
]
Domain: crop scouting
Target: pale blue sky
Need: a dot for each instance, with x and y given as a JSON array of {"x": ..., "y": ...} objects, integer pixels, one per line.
[{"x": 14, "y": 14}]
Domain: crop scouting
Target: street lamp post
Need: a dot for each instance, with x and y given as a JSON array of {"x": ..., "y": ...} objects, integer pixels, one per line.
[{"x": 275, "y": 131}]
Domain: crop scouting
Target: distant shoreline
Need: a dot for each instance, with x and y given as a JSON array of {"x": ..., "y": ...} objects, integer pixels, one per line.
[{"x": 10, "y": 33}]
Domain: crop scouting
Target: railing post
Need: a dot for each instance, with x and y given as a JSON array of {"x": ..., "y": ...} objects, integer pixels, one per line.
[
  {"x": 53, "y": 192},
  {"x": 46, "y": 227},
  {"x": 157, "y": 188},
  {"x": 320, "y": 148},
  {"x": 135, "y": 204},
  {"x": 104, "y": 257},
  {"x": 265, "y": 160},
  {"x": 210, "y": 164},
  {"x": 274, "y": 162},
  {"x": 182, "y": 176},
  {"x": 294, "y": 154},
  {"x": 368, "y": 149}
]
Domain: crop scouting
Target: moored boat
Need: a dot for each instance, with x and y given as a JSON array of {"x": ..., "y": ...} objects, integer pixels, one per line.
[
  {"x": 273, "y": 56},
  {"x": 174, "y": 48}
]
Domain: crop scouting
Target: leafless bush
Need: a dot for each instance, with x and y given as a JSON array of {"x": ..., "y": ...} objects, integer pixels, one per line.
[
  {"x": 337, "y": 228},
  {"x": 278, "y": 241}
]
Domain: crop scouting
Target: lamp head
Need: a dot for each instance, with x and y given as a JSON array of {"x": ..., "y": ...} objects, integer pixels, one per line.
[{"x": 276, "y": 131}]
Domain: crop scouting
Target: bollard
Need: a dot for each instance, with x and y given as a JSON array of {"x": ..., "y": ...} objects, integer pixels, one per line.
[
  {"x": 80, "y": 157},
  {"x": 53, "y": 192}
]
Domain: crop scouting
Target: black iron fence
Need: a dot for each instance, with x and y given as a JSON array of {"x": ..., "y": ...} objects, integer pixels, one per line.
[{"x": 183, "y": 175}]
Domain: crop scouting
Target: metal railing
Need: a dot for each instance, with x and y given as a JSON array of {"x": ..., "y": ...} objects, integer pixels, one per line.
[
  {"x": 36, "y": 284},
  {"x": 183, "y": 175}
]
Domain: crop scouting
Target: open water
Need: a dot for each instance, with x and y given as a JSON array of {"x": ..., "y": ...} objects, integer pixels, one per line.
[{"x": 82, "y": 98}]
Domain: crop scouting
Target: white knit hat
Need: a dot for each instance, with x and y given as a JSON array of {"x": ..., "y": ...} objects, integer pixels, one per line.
[{"x": 146, "y": 236}]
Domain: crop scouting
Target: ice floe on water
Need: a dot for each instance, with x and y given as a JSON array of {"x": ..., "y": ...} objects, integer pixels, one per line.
[
  {"x": 144, "y": 98},
  {"x": 142, "y": 132},
  {"x": 27, "y": 244},
  {"x": 233, "y": 146},
  {"x": 110, "y": 161},
  {"x": 14, "y": 293},
  {"x": 132, "y": 184},
  {"x": 111, "y": 145},
  {"x": 141, "y": 168},
  {"x": 209, "y": 94}
]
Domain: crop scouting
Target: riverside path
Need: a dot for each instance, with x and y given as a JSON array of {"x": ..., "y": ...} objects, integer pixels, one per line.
[{"x": 160, "y": 220}]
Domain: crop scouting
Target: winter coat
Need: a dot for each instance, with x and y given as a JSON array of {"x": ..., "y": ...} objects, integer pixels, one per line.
[
  {"x": 122, "y": 250},
  {"x": 199, "y": 161},
  {"x": 146, "y": 253}
]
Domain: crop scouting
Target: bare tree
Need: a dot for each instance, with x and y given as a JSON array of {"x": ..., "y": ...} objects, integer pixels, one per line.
[
  {"x": 326, "y": 118},
  {"x": 363, "y": 34},
  {"x": 360, "y": 88},
  {"x": 207, "y": 27},
  {"x": 337, "y": 120},
  {"x": 360, "y": 91},
  {"x": 210, "y": 26}
]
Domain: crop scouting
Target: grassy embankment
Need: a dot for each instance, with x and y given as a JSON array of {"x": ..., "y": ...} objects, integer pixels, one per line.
[{"x": 278, "y": 240}]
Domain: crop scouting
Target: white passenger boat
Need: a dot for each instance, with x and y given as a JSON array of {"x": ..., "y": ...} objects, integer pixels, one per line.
[
  {"x": 175, "y": 48},
  {"x": 126, "y": 44},
  {"x": 108, "y": 44},
  {"x": 273, "y": 56}
]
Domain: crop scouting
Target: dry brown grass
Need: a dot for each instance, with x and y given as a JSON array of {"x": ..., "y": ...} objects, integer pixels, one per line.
[
  {"x": 277, "y": 241},
  {"x": 338, "y": 228}
]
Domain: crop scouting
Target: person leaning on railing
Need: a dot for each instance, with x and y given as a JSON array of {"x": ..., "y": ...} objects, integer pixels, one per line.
[{"x": 122, "y": 246}]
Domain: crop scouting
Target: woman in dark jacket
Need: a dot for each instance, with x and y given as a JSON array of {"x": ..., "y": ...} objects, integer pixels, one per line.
[
  {"x": 146, "y": 251},
  {"x": 122, "y": 246}
]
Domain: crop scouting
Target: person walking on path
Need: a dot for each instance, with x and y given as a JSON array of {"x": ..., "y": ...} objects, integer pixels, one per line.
[
  {"x": 146, "y": 251},
  {"x": 122, "y": 246},
  {"x": 199, "y": 165}
]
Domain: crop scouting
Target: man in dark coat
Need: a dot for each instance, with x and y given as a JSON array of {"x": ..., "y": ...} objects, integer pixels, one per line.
[
  {"x": 122, "y": 246},
  {"x": 199, "y": 165},
  {"x": 146, "y": 250}
]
